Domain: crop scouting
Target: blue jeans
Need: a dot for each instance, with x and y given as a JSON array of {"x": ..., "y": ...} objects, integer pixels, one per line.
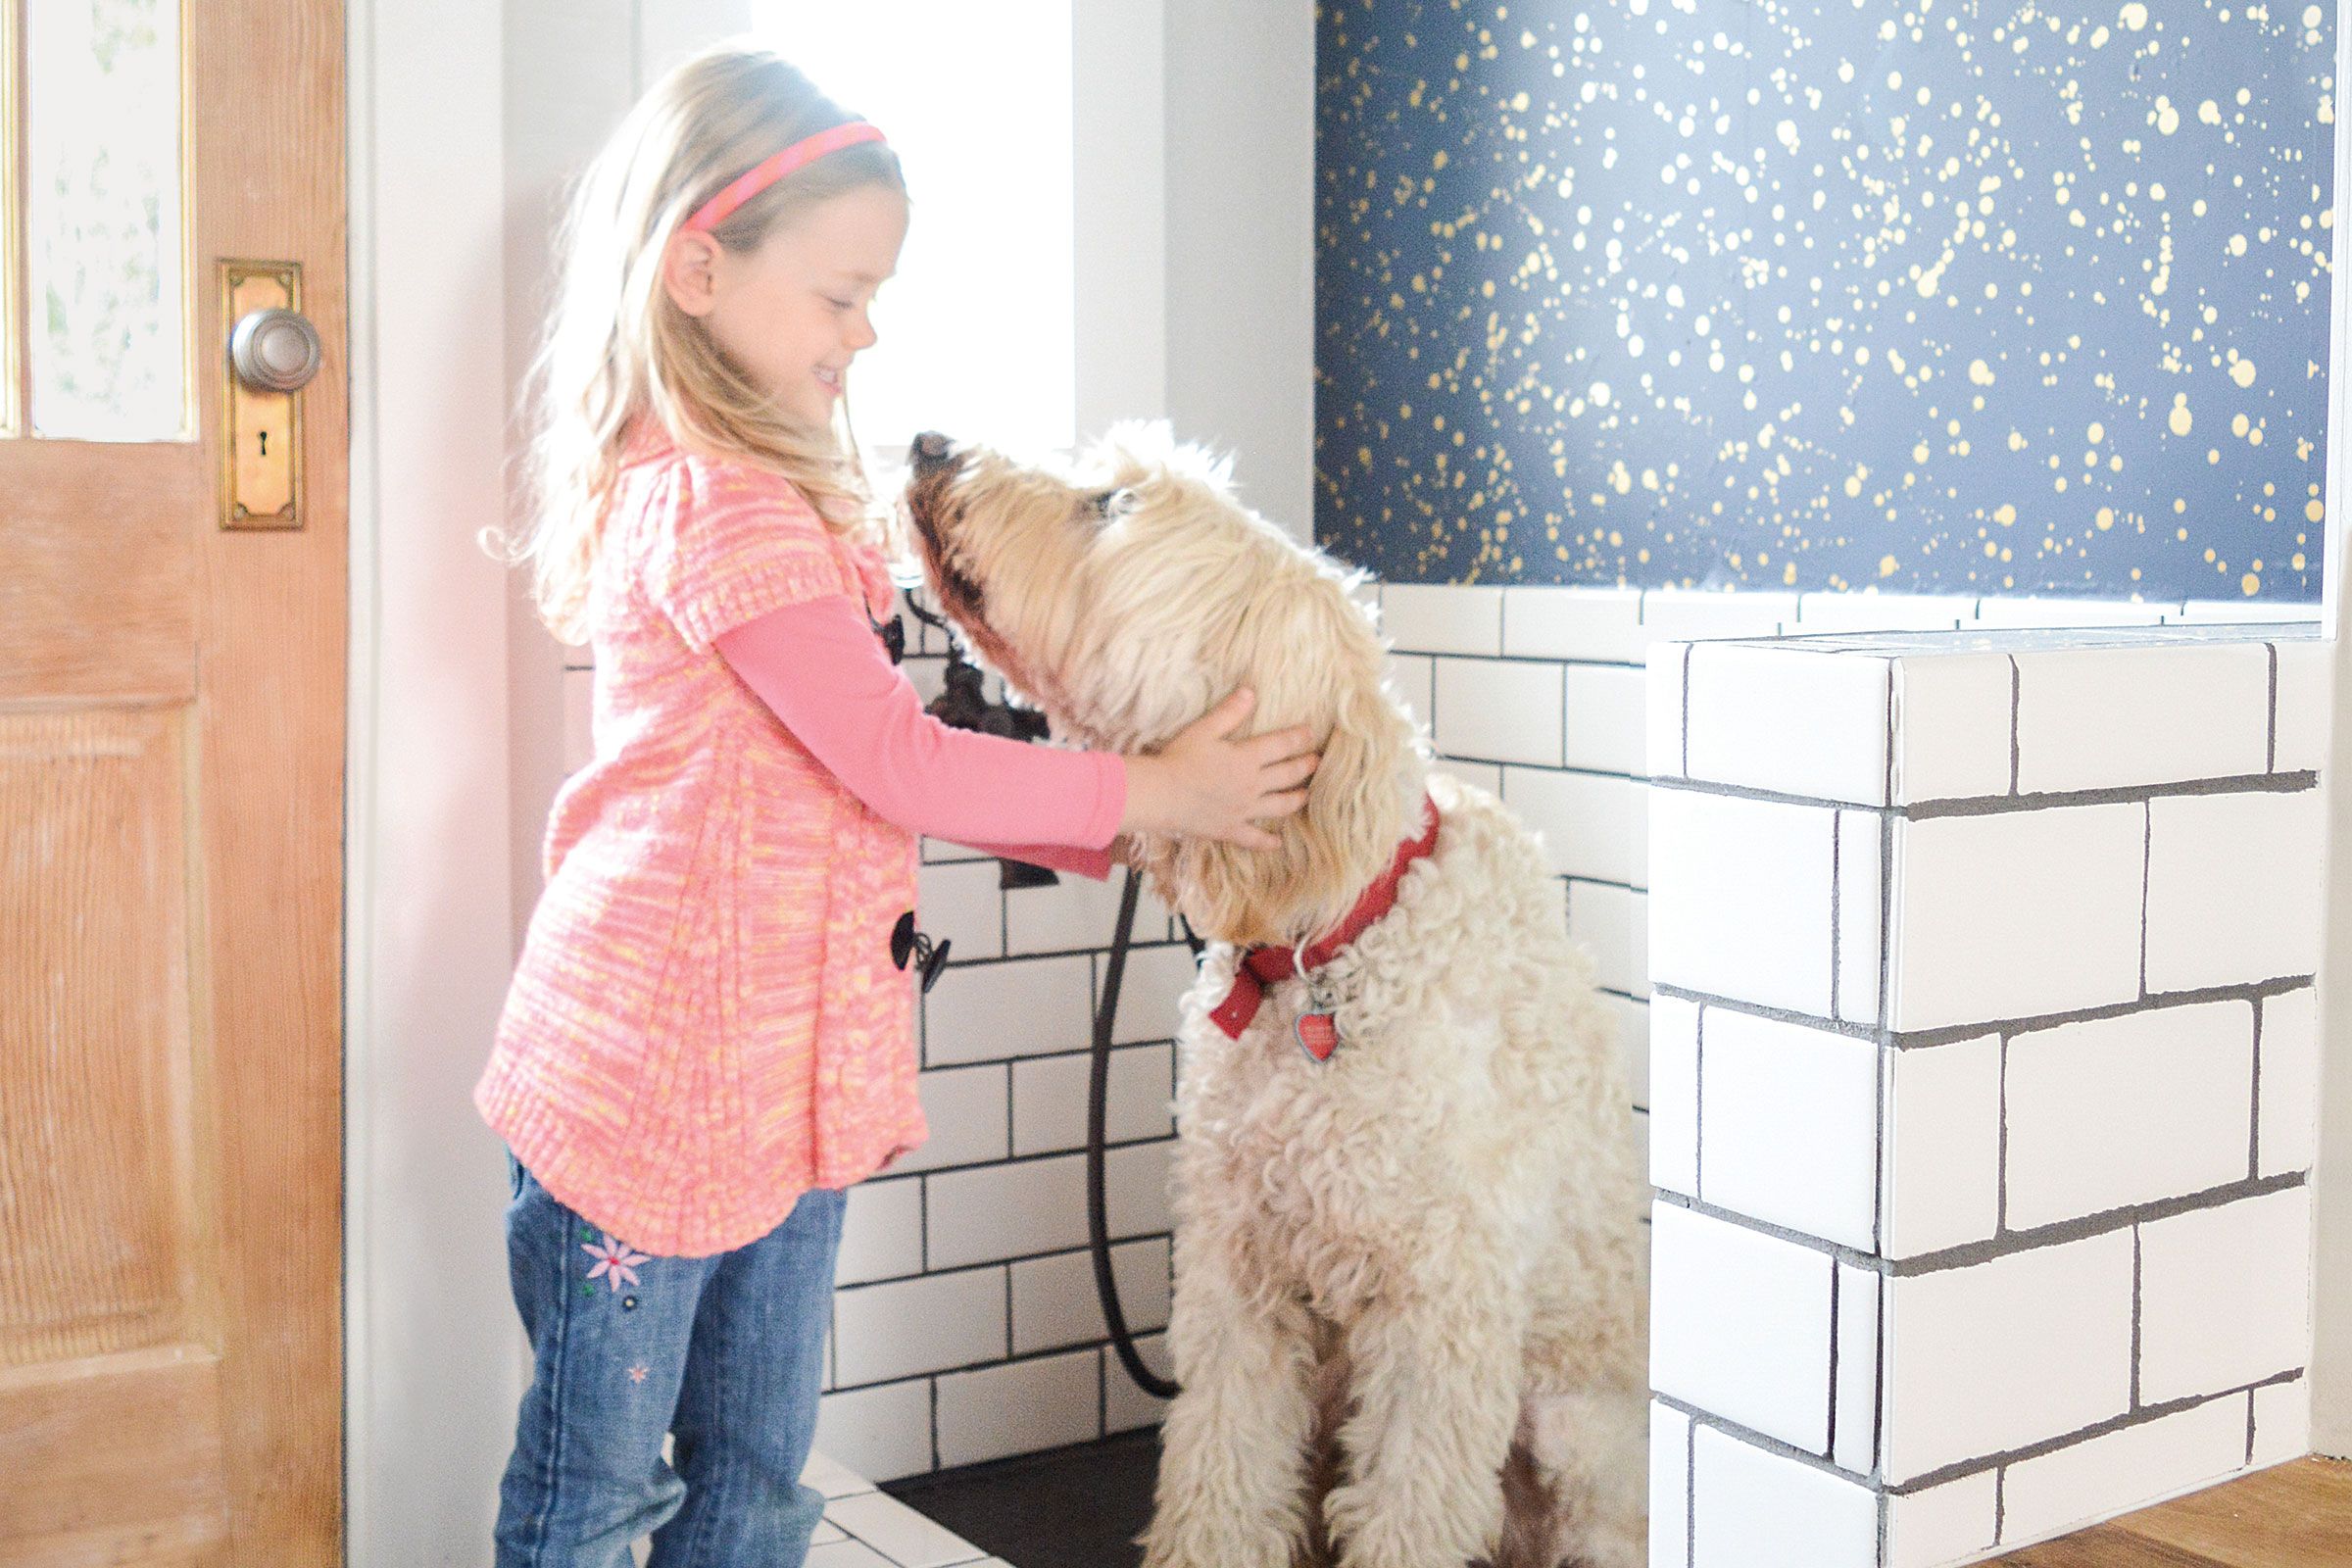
[{"x": 726, "y": 1354}]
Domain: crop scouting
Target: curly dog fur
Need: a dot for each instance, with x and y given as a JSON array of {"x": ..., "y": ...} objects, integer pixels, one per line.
[{"x": 1408, "y": 1317}]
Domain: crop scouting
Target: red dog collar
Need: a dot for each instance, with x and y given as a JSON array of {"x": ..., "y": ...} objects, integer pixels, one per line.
[{"x": 1261, "y": 968}]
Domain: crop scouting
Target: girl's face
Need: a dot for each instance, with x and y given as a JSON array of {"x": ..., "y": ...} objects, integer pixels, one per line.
[{"x": 794, "y": 311}]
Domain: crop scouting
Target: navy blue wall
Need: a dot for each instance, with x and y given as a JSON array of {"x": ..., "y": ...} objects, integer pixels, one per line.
[{"x": 1955, "y": 297}]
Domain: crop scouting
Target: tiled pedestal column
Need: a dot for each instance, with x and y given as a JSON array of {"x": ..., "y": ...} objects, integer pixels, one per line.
[{"x": 1983, "y": 1054}]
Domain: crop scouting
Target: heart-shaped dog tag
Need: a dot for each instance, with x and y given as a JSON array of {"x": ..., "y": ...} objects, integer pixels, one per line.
[{"x": 1318, "y": 1035}]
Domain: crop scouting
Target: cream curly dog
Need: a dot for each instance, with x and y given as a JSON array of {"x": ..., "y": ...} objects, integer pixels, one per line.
[{"x": 1408, "y": 1317}]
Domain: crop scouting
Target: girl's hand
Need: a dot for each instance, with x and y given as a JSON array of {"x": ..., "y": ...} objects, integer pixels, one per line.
[{"x": 1206, "y": 785}]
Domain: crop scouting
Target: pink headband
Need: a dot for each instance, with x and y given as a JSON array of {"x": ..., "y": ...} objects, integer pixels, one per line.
[{"x": 720, "y": 208}]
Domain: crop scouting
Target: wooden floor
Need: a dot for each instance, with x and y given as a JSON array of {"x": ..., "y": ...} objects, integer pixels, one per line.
[{"x": 2296, "y": 1516}]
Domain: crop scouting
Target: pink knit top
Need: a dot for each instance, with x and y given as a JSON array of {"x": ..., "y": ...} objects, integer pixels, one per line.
[{"x": 705, "y": 1021}]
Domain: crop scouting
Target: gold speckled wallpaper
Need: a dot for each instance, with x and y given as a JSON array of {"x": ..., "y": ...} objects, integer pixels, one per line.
[{"x": 1951, "y": 296}]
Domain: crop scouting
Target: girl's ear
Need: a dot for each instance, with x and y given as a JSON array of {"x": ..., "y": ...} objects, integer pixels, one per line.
[{"x": 690, "y": 272}]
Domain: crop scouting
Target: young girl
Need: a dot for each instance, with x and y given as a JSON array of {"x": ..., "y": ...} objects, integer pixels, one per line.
[{"x": 709, "y": 1037}]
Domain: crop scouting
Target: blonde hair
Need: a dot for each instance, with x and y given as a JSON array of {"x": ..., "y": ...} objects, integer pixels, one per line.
[{"x": 618, "y": 351}]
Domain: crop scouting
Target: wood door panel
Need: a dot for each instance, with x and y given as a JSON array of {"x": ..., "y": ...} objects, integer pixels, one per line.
[
  {"x": 131, "y": 1451},
  {"x": 96, "y": 1148},
  {"x": 95, "y": 592},
  {"x": 171, "y": 754}
]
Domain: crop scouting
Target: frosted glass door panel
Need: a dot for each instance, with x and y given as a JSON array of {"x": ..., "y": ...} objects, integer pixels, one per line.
[{"x": 106, "y": 278}]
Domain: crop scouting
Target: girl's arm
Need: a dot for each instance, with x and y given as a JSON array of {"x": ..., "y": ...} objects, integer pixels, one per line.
[
  {"x": 819, "y": 666},
  {"x": 1095, "y": 863}
]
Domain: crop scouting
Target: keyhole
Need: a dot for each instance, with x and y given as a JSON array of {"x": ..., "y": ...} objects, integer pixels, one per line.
[{"x": 265, "y": 443}]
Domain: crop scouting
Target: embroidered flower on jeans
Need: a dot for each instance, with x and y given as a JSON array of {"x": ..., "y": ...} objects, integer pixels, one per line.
[
  {"x": 637, "y": 1374},
  {"x": 615, "y": 1265}
]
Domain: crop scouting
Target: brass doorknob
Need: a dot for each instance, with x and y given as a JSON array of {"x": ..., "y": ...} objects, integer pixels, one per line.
[{"x": 275, "y": 350}]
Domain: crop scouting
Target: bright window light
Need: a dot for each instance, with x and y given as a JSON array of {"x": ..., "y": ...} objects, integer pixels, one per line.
[{"x": 976, "y": 329}]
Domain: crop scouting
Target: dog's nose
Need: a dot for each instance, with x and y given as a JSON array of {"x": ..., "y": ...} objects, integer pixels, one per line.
[{"x": 930, "y": 451}]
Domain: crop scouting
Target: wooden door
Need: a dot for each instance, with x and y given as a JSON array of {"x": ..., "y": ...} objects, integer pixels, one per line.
[{"x": 171, "y": 743}]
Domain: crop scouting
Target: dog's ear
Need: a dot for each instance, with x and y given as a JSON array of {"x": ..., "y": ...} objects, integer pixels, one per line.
[
  {"x": 1320, "y": 665},
  {"x": 1134, "y": 452},
  {"x": 1130, "y": 450}
]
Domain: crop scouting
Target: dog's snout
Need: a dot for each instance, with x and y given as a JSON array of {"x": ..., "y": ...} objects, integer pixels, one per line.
[{"x": 931, "y": 450}]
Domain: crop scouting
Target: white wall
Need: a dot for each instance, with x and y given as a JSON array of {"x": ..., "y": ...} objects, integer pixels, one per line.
[
  {"x": 431, "y": 1382},
  {"x": 1240, "y": 167},
  {"x": 573, "y": 68},
  {"x": 2331, "y": 1179},
  {"x": 1122, "y": 217}
]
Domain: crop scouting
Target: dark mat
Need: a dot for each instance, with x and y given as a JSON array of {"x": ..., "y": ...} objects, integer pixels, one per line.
[{"x": 1078, "y": 1507}]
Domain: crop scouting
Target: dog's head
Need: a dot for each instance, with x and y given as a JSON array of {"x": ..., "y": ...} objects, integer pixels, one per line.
[{"x": 1129, "y": 593}]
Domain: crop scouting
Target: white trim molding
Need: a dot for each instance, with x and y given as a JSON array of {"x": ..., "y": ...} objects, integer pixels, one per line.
[
  {"x": 2331, "y": 1275},
  {"x": 431, "y": 1382}
]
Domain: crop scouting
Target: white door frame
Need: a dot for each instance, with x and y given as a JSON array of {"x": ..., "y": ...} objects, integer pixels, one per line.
[
  {"x": 2331, "y": 1176},
  {"x": 431, "y": 1379}
]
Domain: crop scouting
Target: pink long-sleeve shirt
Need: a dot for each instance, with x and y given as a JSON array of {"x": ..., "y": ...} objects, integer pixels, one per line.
[
  {"x": 705, "y": 1021},
  {"x": 819, "y": 666}
]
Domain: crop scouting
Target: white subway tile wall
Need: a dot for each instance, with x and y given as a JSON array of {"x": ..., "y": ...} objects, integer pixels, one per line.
[
  {"x": 2030, "y": 1246},
  {"x": 1854, "y": 1394},
  {"x": 2281, "y": 1422},
  {"x": 1740, "y": 1325},
  {"x": 965, "y": 1322},
  {"x": 1938, "y": 1525},
  {"x": 1574, "y": 626},
  {"x": 1830, "y": 612},
  {"x": 883, "y": 1432},
  {"x": 1742, "y": 898},
  {"x": 1674, "y": 1095},
  {"x": 2225, "y": 1295},
  {"x": 2107, "y": 1112},
  {"x": 2013, "y": 914},
  {"x": 2233, "y": 887},
  {"x": 1791, "y": 1116},
  {"x": 2032, "y": 1345},
  {"x": 1607, "y": 721},
  {"x": 925, "y": 1324},
  {"x": 2092, "y": 718},
  {"x": 2303, "y": 709},
  {"x": 1940, "y": 1164},
  {"x": 881, "y": 1232},
  {"x": 1440, "y": 619},
  {"x": 1756, "y": 1509},
  {"x": 1770, "y": 717},
  {"x": 1858, "y": 912},
  {"x": 2286, "y": 1111},
  {"x": 1500, "y": 711},
  {"x": 1951, "y": 724},
  {"x": 2050, "y": 1495},
  {"x": 1125, "y": 1405},
  {"x": 1021, "y": 1407},
  {"x": 1668, "y": 1485}
]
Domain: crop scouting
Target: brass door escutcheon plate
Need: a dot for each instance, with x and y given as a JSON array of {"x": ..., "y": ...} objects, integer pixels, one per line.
[{"x": 261, "y": 431}]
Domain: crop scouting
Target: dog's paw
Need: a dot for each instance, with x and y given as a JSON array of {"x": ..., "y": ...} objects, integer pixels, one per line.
[
  {"x": 1381, "y": 1529},
  {"x": 1212, "y": 1547}
]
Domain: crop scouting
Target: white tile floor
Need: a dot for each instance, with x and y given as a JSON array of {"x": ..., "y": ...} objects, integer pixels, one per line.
[{"x": 864, "y": 1529}]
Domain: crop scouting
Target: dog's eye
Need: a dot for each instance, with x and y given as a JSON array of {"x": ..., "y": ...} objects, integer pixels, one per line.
[{"x": 1104, "y": 503}]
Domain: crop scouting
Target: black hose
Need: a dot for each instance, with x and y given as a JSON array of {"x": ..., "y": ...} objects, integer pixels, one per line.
[{"x": 1098, "y": 1090}]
